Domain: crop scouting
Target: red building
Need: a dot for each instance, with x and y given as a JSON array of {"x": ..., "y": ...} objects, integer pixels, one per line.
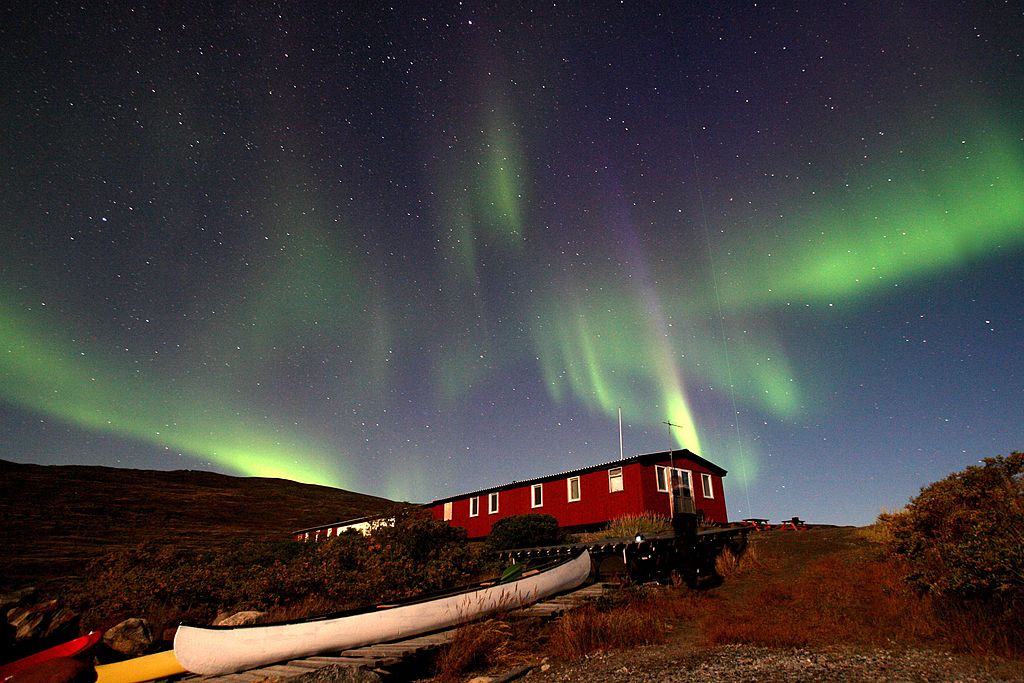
[{"x": 590, "y": 497}]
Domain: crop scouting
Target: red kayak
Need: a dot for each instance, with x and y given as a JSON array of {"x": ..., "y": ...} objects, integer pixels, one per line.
[{"x": 72, "y": 648}]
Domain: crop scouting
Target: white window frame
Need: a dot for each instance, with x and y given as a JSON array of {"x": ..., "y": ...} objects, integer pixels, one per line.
[
  {"x": 662, "y": 477},
  {"x": 537, "y": 496},
  {"x": 615, "y": 475},
  {"x": 707, "y": 485},
  {"x": 492, "y": 503},
  {"x": 579, "y": 489},
  {"x": 474, "y": 506},
  {"x": 448, "y": 511}
]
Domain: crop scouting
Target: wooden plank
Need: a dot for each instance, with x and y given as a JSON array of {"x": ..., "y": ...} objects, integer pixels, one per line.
[
  {"x": 283, "y": 670},
  {"x": 243, "y": 677},
  {"x": 442, "y": 637},
  {"x": 306, "y": 664},
  {"x": 348, "y": 661}
]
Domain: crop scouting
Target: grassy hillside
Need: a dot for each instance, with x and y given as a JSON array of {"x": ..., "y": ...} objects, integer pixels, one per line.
[{"x": 55, "y": 519}]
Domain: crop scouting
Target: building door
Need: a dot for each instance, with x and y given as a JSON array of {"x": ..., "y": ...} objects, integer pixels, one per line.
[{"x": 681, "y": 492}]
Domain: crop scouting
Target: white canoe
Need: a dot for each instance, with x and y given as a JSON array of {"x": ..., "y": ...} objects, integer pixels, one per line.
[{"x": 221, "y": 650}]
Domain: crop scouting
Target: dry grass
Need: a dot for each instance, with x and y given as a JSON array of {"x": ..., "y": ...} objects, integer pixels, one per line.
[
  {"x": 629, "y": 620},
  {"x": 628, "y": 526},
  {"x": 588, "y": 629},
  {"x": 730, "y": 564},
  {"x": 475, "y": 646},
  {"x": 835, "y": 601}
]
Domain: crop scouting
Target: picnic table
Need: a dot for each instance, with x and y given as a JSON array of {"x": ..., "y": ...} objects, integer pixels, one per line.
[
  {"x": 758, "y": 523},
  {"x": 794, "y": 524}
]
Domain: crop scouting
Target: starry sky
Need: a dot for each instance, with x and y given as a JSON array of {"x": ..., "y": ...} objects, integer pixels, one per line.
[{"x": 423, "y": 249}]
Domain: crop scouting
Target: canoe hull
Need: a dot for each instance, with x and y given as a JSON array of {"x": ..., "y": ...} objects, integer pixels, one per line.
[
  {"x": 72, "y": 648},
  {"x": 219, "y": 651},
  {"x": 146, "y": 668}
]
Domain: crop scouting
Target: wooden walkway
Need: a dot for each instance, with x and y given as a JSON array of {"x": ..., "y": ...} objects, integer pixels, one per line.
[{"x": 384, "y": 655}]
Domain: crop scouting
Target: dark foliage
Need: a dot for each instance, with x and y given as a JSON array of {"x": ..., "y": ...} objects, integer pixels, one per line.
[
  {"x": 525, "y": 531},
  {"x": 963, "y": 538},
  {"x": 416, "y": 554}
]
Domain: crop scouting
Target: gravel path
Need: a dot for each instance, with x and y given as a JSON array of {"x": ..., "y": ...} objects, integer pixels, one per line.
[{"x": 743, "y": 663}]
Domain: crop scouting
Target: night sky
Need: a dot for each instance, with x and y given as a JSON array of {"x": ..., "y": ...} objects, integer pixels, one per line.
[{"x": 423, "y": 249}]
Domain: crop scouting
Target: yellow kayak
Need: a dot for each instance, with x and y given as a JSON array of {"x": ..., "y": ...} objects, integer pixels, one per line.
[{"x": 140, "y": 669}]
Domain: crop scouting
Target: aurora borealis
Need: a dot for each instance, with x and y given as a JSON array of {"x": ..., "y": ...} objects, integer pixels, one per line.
[{"x": 418, "y": 250}]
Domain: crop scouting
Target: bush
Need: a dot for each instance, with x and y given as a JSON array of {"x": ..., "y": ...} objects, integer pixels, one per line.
[
  {"x": 525, "y": 531},
  {"x": 416, "y": 554},
  {"x": 964, "y": 535},
  {"x": 963, "y": 538}
]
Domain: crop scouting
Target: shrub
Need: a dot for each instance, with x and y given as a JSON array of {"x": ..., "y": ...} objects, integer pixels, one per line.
[
  {"x": 964, "y": 535},
  {"x": 524, "y": 531},
  {"x": 628, "y": 526},
  {"x": 648, "y": 524},
  {"x": 417, "y": 554},
  {"x": 963, "y": 540}
]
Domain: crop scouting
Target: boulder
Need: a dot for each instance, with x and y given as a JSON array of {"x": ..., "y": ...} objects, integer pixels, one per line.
[
  {"x": 63, "y": 622},
  {"x": 239, "y": 619},
  {"x": 132, "y": 637},
  {"x": 30, "y": 621},
  {"x": 15, "y": 598}
]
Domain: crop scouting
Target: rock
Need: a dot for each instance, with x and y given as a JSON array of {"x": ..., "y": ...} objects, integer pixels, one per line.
[
  {"x": 335, "y": 673},
  {"x": 132, "y": 637},
  {"x": 481, "y": 679},
  {"x": 59, "y": 670},
  {"x": 62, "y": 622},
  {"x": 239, "y": 619},
  {"x": 15, "y": 598},
  {"x": 31, "y": 621}
]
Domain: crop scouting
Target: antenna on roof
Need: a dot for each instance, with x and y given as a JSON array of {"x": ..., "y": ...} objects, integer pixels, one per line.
[
  {"x": 672, "y": 467},
  {"x": 620, "y": 434},
  {"x": 671, "y": 451}
]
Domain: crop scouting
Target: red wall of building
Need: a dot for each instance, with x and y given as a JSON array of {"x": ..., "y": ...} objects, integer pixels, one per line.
[{"x": 596, "y": 505}]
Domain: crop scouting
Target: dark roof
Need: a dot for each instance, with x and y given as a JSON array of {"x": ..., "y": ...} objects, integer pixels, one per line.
[{"x": 682, "y": 454}]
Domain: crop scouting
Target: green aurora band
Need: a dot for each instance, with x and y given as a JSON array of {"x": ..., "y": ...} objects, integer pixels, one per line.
[
  {"x": 958, "y": 202},
  {"x": 930, "y": 212},
  {"x": 73, "y": 385},
  {"x": 597, "y": 342}
]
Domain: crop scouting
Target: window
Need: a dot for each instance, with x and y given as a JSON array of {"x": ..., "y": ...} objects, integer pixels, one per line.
[
  {"x": 448, "y": 511},
  {"x": 574, "y": 489},
  {"x": 679, "y": 476},
  {"x": 474, "y": 506},
  {"x": 492, "y": 503},
  {"x": 705, "y": 482},
  {"x": 537, "y": 495},
  {"x": 614, "y": 479}
]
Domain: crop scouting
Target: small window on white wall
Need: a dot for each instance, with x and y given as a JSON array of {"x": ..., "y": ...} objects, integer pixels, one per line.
[
  {"x": 614, "y": 479},
  {"x": 492, "y": 503},
  {"x": 537, "y": 496},
  {"x": 574, "y": 489},
  {"x": 448, "y": 511},
  {"x": 705, "y": 482},
  {"x": 474, "y": 506}
]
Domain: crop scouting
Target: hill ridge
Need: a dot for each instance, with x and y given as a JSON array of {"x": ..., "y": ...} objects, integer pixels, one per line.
[{"x": 55, "y": 519}]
